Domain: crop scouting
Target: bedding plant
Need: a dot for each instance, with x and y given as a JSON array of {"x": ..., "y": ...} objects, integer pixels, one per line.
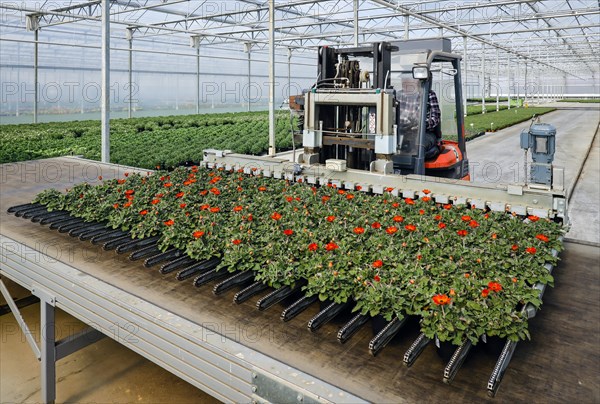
[{"x": 465, "y": 272}]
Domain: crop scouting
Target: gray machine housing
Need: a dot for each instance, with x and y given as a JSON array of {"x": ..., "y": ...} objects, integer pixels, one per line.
[{"x": 540, "y": 138}]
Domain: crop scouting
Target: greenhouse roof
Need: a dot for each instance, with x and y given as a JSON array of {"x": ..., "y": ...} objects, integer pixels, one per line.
[{"x": 557, "y": 35}]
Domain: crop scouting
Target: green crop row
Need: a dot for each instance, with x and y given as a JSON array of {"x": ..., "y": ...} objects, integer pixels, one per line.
[
  {"x": 146, "y": 142},
  {"x": 476, "y": 124},
  {"x": 169, "y": 141}
]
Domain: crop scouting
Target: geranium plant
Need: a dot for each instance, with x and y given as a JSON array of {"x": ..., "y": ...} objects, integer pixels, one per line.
[{"x": 465, "y": 272}]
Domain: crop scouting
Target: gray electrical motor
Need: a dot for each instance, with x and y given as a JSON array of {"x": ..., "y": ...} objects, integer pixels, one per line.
[{"x": 540, "y": 139}]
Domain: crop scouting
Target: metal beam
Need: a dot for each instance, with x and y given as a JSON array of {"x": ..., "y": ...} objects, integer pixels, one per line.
[
  {"x": 105, "y": 100},
  {"x": 271, "y": 77}
]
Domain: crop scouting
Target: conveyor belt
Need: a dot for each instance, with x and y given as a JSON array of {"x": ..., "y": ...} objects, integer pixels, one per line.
[{"x": 348, "y": 366}]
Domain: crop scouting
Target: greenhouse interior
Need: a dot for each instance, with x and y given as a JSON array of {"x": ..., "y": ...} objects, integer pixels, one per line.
[{"x": 338, "y": 201}]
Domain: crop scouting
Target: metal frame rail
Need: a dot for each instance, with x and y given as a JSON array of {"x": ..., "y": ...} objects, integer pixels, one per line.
[{"x": 220, "y": 366}]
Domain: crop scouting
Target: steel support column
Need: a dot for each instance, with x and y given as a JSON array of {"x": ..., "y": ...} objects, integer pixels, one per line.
[
  {"x": 271, "y": 77},
  {"x": 497, "y": 79},
  {"x": 508, "y": 61},
  {"x": 464, "y": 81},
  {"x": 48, "y": 358},
  {"x": 105, "y": 102},
  {"x": 248, "y": 47},
  {"x": 36, "y": 83},
  {"x": 525, "y": 85},
  {"x": 483, "y": 79},
  {"x": 196, "y": 44},
  {"x": 130, "y": 73},
  {"x": 356, "y": 23},
  {"x": 517, "y": 80}
]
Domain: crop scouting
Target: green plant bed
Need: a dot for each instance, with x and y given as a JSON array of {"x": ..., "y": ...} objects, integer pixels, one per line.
[
  {"x": 145, "y": 142},
  {"x": 463, "y": 271},
  {"x": 477, "y": 124},
  {"x": 476, "y": 109},
  {"x": 581, "y": 100}
]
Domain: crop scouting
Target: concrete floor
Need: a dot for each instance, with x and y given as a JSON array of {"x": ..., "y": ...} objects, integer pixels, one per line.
[{"x": 102, "y": 372}]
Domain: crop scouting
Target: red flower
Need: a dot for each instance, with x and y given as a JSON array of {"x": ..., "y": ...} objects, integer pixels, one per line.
[
  {"x": 129, "y": 197},
  {"x": 236, "y": 241},
  {"x": 391, "y": 230},
  {"x": 262, "y": 189},
  {"x": 325, "y": 198},
  {"x": 120, "y": 182},
  {"x": 289, "y": 199},
  {"x": 409, "y": 201},
  {"x": 486, "y": 216},
  {"x": 494, "y": 236},
  {"x": 395, "y": 205},
  {"x": 144, "y": 212},
  {"x": 276, "y": 216},
  {"x": 462, "y": 233},
  {"x": 410, "y": 227},
  {"x": 204, "y": 207},
  {"x": 330, "y": 218},
  {"x": 341, "y": 192},
  {"x": 514, "y": 247},
  {"x": 426, "y": 191},
  {"x": 129, "y": 192},
  {"x": 182, "y": 205},
  {"x": 169, "y": 222},
  {"x": 485, "y": 292},
  {"x": 398, "y": 219},
  {"x": 438, "y": 217},
  {"x": 359, "y": 230},
  {"x": 215, "y": 191},
  {"x": 376, "y": 225},
  {"x": 425, "y": 199},
  {"x": 204, "y": 192},
  {"x": 288, "y": 232},
  {"x": 215, "y": 209},
  {"x": 473, "y": 224},
  {"x": 155, "y": 201},
  {"x": 378, "y": 264},
  {"x": 389, "y": 189},
  {"x": 126, "y": 174},
  {"x": 313, "y": 247},
  {"x": 448, "y": 206},
  {"x": 179, "y": 195},
  {"x": 377, "y": 278},
  {"x": 331, "y": 246},
  {"x": 249, "y": 218},
  {"x": 531, "y": 250},
  {"x": 466, "y": 218},
  {"x": 358, "y": 188},
  {"x": 237, "y": 208},
  {"x": 514, "y": 280},
  {"x": 494, "y": 286},
  {"x": 441, "y": 299},
  {"x": 187, "y": 182},
  {"x": 543, "y": 238},
  {"x": 116, "y": 206},
  {"x": 441, "y": 225},
  {"x": 533, "y": 218},
  {"x": 127, "y": 204},
  {"x": 349, "y": 197},
  {"x": 198, "y": 234},
  {"x": 100, "y": 177},
  {"x": 168, "y": 184},
  {"x": 421, "y": 212}
]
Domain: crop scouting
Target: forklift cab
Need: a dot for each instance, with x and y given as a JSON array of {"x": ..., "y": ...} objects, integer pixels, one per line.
[{"x": 414, "y": 75}]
